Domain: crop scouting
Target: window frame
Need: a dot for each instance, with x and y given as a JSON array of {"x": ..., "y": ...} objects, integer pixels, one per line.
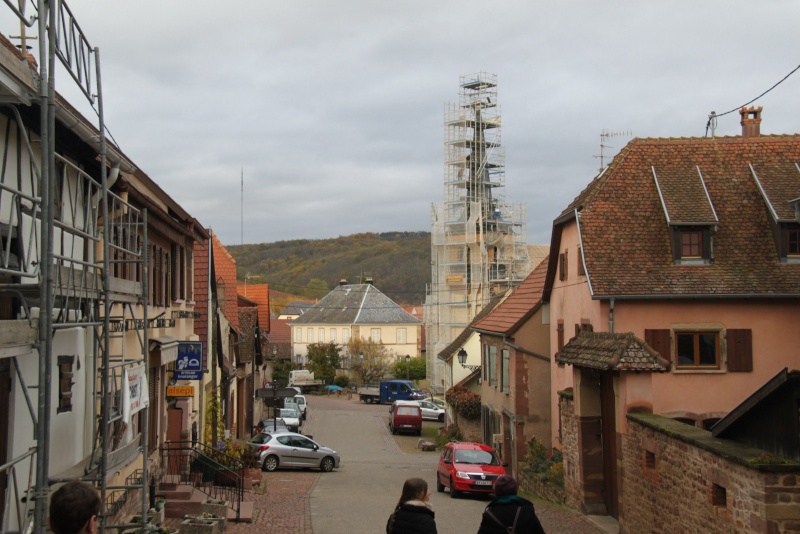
[
  {"x": 696, "y": 344},
  {"x": 375, "y": 335},
  {"x": 505, "y": 371},
  {"x": 401, "y": 336}
]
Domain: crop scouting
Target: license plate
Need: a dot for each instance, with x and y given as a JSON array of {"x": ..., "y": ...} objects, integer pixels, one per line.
[{"x": 483, "y": 482}]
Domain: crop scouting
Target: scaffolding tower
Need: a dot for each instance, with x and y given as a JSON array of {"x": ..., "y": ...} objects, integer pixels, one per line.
[
  {"x": 73, "y": 263},
  {"x": 478, "y": 240}
]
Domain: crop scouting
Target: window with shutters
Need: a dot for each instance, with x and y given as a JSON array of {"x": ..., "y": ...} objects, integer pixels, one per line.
[
  {"x": 560, "y": 334},
  {"x": 563, "y": 262},
  {"x": 697, "y": 350},
  {"x": 702, "y": 349},
  {"x": 65, "y": 374}
]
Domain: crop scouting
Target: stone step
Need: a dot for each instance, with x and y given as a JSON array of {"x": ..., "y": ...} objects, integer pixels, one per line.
[
  {"x": 190, "y": 504},
  {"x": 180, "y": 492},
  {"x": 245, "y": 513}
]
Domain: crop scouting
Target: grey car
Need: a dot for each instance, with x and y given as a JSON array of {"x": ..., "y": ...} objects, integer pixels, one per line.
[{"x": 288, "y": 449}]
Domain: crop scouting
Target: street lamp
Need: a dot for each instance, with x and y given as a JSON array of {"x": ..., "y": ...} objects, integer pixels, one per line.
[
  {"x": 408, "y": 366},
  {"x": 361, "y": 367},
  {"x": 462, "y": 359}
]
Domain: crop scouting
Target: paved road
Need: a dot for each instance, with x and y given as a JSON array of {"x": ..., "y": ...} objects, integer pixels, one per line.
[{"x": 358, "y": 497}]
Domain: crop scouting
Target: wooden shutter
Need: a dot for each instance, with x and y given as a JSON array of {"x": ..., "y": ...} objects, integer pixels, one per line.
[
  {"x": 740, "y": 351},
  {"x": 659, "y": 341}
]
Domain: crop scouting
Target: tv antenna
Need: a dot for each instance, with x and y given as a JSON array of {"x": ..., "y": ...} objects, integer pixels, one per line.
[{"x": 604, "y": 136}]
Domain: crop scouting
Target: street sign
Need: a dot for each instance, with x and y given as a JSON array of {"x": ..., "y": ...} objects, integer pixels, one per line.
[
  {"x": 187, "y": 375},
  {"x": 190, "y": 356},
  {"x": 180, "y": 391},
  {"x": 263, "y": 393}
]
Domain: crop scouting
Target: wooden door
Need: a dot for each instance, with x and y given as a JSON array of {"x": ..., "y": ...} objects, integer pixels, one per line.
[{"x": 609, "y": 437}]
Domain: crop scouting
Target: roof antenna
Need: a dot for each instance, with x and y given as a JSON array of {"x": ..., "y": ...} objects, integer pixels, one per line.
[
  {"x": 712, "y": 123},
  {"x": 604, "y": 136}
]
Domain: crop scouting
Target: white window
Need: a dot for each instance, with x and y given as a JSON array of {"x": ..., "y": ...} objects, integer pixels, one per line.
[
  {"x": 321, "y": 335},
  {"x": 401, "y": 336},
  {"x": 298, "y": 335},
  {"x": 505, "y": 383},
  {"x": 375, "y": 335},
  {"x": 333, "y": 335},
  {"x": 310, "y": 332},
  {"x": 345, "y": 335}
]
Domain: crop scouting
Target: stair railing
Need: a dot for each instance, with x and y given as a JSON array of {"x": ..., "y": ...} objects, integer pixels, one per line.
[{"x": 209, "y": 470}]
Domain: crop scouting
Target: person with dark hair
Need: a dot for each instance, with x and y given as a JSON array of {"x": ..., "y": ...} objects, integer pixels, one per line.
[
  {"x": 413, "y": 513},
  {"x": 74, "y": 508},
  {"x": 509, "y": 513}
]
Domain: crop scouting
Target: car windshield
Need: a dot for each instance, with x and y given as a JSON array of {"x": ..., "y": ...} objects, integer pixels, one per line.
[
  {"x": 476, "y": 457},
  {"x": 288, "y": 412}
]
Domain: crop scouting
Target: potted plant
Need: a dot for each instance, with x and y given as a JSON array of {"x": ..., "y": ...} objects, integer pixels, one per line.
[
  {"x": 199, "y": 525},
  {"x": 215, "y": 508}
]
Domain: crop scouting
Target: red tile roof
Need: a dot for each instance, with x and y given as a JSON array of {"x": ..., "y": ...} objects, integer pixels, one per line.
[
  {"x": 625, "y": 234},
  {"x": 225, "y": 271},
  {"x": 280, "y": 332},
  {"x": 611, "y": 352},
  {"x": 522, "y": 301},
  {"x": 258, "y": 293}
]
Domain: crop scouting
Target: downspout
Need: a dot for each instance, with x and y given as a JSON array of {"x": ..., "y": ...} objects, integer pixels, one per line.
[{"x": 611, "y": 316}]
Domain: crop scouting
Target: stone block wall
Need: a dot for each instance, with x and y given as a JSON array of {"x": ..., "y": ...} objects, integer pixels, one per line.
[
  {"x": 570, "y": 450},
  {"x": 678, "y": 478}
]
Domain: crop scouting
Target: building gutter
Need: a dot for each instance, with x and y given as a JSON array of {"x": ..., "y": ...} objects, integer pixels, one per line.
[{"x": 512, "y": 345}]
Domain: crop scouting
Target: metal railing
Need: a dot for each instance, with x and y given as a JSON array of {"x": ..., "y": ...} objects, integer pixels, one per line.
[{"x": 207, "y": 469}]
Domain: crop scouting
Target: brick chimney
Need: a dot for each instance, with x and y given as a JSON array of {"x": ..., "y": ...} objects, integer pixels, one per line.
[{"x": 751, "y": 121}]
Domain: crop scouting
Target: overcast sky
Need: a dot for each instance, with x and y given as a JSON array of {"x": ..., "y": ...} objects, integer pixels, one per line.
[{"x": 333, "y": 109}]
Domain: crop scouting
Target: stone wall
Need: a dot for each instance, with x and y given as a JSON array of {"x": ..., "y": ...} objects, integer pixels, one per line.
[
  {"x": 678, "y": 478},
  {"x": 533, "y": 484},
  {"x": 569, "y": 448}
]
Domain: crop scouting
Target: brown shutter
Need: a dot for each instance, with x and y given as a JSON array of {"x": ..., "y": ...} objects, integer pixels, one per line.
[
  {"x": 740, "y": 351},
  {"x": 658, "y": 341}
]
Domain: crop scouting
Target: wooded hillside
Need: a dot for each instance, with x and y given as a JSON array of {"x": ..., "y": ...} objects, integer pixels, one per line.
[{"x": 399, "y": 264}]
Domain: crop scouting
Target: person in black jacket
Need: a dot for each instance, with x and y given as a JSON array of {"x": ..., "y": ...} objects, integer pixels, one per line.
[
  {"x": 509, "y": 513},
  {"x": 413, "y": 513}
]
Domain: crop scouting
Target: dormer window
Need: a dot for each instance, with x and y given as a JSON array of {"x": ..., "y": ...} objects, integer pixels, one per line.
[
  {"x": 791, "y": 240},
  {"x": 691, "y": 244}
]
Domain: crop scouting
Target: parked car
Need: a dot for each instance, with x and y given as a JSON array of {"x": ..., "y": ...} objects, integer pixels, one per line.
[
  {"x": 270, "y": 425},
  {"x": 289, "y": 449},
  {"x": 291, "y": 418},
  {"x": 406, "y": 416},
  {"x": 438, "y": 402},
  {"x": 298, "y": 401},
  {"x": 468, "y": 467},
  {"x": 431, "y": 410}
]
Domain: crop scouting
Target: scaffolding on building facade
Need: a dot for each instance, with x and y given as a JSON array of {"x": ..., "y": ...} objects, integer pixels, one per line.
[
  {"x": 478, "y": 240},
  {"x": 68, "y": 242}
]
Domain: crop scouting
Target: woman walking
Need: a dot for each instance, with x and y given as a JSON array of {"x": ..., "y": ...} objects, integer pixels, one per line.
[{"x": 413, "y": 513}]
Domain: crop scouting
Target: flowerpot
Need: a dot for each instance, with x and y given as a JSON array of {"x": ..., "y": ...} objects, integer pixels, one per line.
[
  {"x": 215, "y": 508},
  {"x": 219, "y": 521},
  {"x": 199, "y": 526}
]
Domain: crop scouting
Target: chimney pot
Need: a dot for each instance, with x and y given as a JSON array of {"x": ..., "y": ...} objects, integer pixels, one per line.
[{"x": 751, "y": 121}]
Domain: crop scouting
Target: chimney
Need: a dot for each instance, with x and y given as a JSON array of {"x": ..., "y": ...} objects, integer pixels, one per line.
[
  {"x": 751, "y": 121},
  {"x": 343, "y": 282}
]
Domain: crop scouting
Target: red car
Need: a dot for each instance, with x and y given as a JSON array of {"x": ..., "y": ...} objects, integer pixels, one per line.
[{"x": 468, "y": 467}]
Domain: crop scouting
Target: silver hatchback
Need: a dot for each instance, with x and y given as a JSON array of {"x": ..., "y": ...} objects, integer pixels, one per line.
[{"x": 288, "y": 449}]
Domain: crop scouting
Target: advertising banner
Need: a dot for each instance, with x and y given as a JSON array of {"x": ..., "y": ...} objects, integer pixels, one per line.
[{"x": 134, "y": 391}]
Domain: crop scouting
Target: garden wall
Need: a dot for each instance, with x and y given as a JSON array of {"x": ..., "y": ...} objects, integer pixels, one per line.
[{"x": 678, "y": 478}]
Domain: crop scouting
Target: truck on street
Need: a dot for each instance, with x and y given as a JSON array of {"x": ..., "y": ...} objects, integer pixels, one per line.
[
  {"x": 304, "y": 380},
  {"x": 389, "y": 391}
]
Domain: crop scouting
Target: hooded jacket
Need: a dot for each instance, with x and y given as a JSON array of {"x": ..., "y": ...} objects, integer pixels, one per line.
[{"x": 505, "y": 509}]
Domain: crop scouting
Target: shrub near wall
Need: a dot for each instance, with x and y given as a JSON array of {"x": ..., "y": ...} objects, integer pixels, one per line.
[{"x": 681, "y": 479}]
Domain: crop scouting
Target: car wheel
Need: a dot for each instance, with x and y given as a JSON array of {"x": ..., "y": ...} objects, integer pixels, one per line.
[
  {"x": 270, "y": 463},
  {"x": 439, "y": 485},
  {"x": 441, "y": 418},
  {"x": 394, "y": 430},
  {"x": 453, "y": 492},
  {"x": 419, "y": 432},
  {"x": 326, "y": 465}
]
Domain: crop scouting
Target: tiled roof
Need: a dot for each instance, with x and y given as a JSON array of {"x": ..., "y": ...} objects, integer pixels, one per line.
[
  {"x": 280, "y": 332},
  {"x": 624, "y": 230},
  {"x": 507, "y": 316},
  {"x": 225, "y": 271},
  {"x": 200, "y": 257},
  {"x": 258, "y": 293},
  {"x": 611, "y": 352},
  {"x": 356, "y": 304},
  {"x": 297, "y": 307},
  {"x": 450, "y": 350}
]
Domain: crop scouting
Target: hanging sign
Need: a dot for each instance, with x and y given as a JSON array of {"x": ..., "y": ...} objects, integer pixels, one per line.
[
  {"x": 180, "y": 391},
  {"x": 189, "y": 365},
  {"x": 134, "y": 391}
]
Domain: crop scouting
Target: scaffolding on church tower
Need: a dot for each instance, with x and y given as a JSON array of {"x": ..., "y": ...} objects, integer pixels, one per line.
[{"x": 478, "y": 240}]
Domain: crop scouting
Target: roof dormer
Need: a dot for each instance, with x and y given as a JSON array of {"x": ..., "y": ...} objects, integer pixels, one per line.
[
  {"x": 691, "y": 218},
  {"x": 778, "y": 185}
]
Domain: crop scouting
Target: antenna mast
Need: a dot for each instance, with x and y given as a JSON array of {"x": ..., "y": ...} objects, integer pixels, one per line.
[
  {"x": 604, "y": 136},
  {"x": 241, "y": 210}
]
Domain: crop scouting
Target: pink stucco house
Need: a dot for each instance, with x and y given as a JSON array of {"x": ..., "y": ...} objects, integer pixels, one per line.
[{"x": 680, "y": 266}]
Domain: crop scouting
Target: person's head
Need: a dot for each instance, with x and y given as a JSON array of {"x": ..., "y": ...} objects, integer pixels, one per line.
[
  {"x": 74, "y": 508},
  {"x": 414, "y": 489},
  {"x": 505, "y": 485}
]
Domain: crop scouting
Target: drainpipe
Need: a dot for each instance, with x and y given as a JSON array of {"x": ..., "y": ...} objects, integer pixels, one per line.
[{"x": 611, "y": 317}]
